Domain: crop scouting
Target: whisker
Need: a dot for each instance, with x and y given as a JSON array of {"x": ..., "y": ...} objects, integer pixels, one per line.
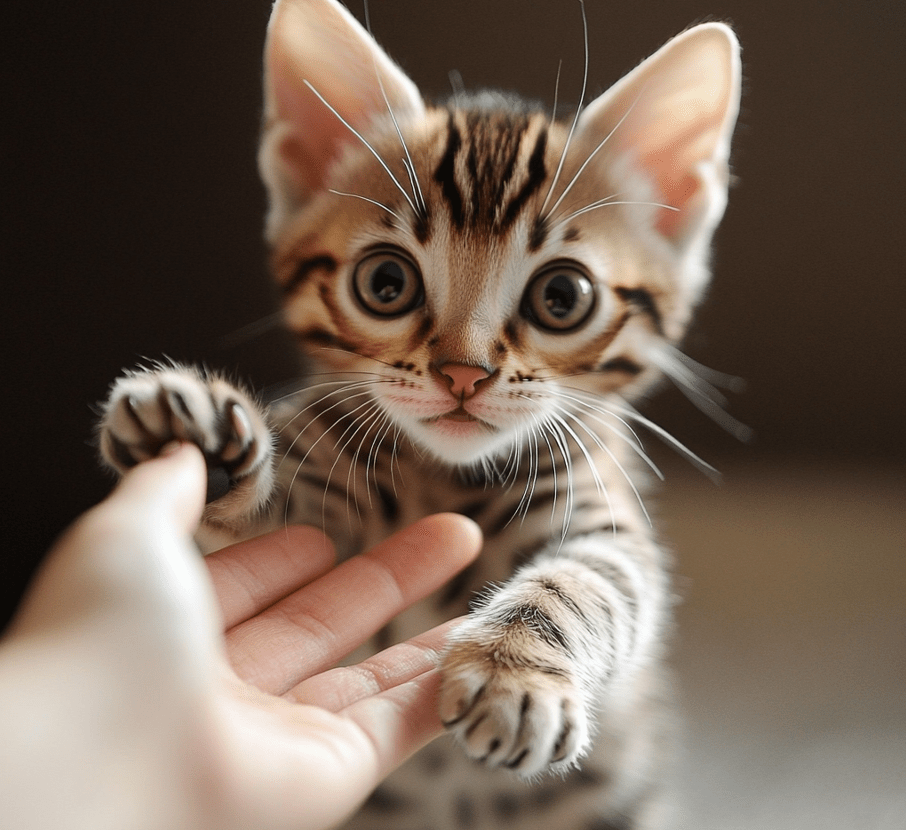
[
  {"x": 308, "y": 388},
  {"x": 556, "y": 92},
  {"x": 410, "y": 167},
  {"x": 361, "y": 138},
  {"x": 542, "y": 214},
  {"x": 347, "y": 387},
  {"x": 356, "y": 426},
  {"x": 634, "y": 443},
  {"x": 732, "y": 383},
  {"x": 603, "y": 446},
  {"x": 251, "y": 330},
  {"x": 382, "y": 431},
  {"x": 592, "y": 154},
  {"x": 631, "y": 412},
  {"x": 703, "y": 395},
  {"x": 607, "y": 203},
  {"x": 560, "y": 440},
  {"x": 457, "y": 85},
  {"x": 311, "y": 448},
  {"x": 599, "y": 484},
  {"x": 374, "y": 415},
  {"x": 370, "y": 201},
  {"x": 525, "y": 500}
]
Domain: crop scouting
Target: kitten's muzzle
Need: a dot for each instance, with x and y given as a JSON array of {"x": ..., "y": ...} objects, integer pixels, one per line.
[{"x": 463, "y": 379}]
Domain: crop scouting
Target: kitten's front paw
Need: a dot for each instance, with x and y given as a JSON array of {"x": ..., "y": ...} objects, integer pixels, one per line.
[
  {"x": 148, "y": 408},
  {"x": 511, "y": 704}
]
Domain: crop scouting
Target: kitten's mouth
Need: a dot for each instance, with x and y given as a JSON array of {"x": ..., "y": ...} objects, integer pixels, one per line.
[{"x": 460, "y": 416}]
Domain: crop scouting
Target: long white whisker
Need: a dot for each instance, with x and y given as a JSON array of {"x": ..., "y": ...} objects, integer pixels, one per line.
[
  {"x": 556, "y": 92},
  {"x": 314, "y": 386},
  {"x": 700, "y": 392},
  {"x": 531, "y": 475},
  {"x": 380, "y": 433},
  {"x": 410, "y": 168},
  {"x": 368, "y": 421},
  {"x": 603, "y": 446},
  {"x": 346, "y": 388},
  {"x": 662, "y": 433},
  {"x": 542, "y": 213},
  {"x": 355, "y": 426},
  {"x": 361, "y": 138},
  {"x": 635, "y": 445},
  {"x": 607, "y": 203},
  {"x": 733, "y": 383},
  {"x": 599, "y": 484},
  {"x": 560, "y": 440},
  {"x": 591, "y": 155},
  {"x": 318, "y": 440},
  {"x": 370, "y": 201}
]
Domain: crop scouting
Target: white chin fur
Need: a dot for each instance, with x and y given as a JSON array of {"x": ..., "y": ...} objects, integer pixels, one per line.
[{"x": 457, "y": 443}]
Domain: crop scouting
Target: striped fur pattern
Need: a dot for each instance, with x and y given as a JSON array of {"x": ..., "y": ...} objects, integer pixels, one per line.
[{"x": 480, "y": 291}]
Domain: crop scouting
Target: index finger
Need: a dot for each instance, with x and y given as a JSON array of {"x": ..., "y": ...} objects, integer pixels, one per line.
[
  {"x": 252, "y": 575},
  {"x": 310, "y": 630}
]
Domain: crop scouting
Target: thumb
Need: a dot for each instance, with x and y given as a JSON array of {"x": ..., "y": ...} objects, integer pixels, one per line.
[
  {"x": 169, "y": 488},
  {"x": 133, "y": 550}
]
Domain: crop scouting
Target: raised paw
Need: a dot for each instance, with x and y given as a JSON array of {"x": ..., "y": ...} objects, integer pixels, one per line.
[
  {"x": 148, "y": 408},
  {"x": 510, "y": 707}
]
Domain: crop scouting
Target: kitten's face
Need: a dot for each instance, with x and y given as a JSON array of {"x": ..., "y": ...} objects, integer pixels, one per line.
[
  {"x": 479, "y": 274},
  {"x": 474, "y": 321}
]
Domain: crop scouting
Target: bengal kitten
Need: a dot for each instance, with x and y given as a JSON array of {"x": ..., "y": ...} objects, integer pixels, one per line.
[{"x": 480, "y": 290}]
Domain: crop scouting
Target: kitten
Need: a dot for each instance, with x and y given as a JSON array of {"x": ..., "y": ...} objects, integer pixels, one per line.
[{"x": 479, "y": 290}]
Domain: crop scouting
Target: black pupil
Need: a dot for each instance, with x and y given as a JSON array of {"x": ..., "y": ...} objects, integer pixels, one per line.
[
  {"x": 560, "y": 296},
  {"x": 387, "y": 281}
]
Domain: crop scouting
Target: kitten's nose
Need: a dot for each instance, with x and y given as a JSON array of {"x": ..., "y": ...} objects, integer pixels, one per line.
[{"x": 462, "y": 378}]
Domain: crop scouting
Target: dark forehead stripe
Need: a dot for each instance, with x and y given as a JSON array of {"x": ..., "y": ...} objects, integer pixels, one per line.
[
  {"x": 641, "y": 301},
  {"x": 305, "y": 269},
  {"x": 445, "y": 174},
  {"x": 537, "y": 173},
  {"x": 481, "y": 163}
]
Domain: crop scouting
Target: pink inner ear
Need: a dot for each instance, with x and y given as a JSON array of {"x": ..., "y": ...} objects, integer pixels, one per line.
[
  {"x": 316, "y": 138},
  {"x": 678, "y": 193}
]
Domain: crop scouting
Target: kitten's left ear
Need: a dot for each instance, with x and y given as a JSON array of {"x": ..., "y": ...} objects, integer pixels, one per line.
[
  {"x": 673, "y": 116},
  {"x": 321, "y": 43}
]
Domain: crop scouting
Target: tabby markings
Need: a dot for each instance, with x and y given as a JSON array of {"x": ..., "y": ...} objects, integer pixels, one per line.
[
  {"x": 642, "y": 301},
  {"x": 322, "y": 262},
  {"x": 493, "y": 147}
]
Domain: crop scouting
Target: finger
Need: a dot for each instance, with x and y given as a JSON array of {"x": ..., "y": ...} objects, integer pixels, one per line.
[
  {"x": 169, "y": 488},
  {"x": 338, "y": 688},
  {"x": 398, "y": 722},
  {"x": 131, "y": 554},
  {"x": 251, "y": 576},
  {"x": 313, "y": 628}
]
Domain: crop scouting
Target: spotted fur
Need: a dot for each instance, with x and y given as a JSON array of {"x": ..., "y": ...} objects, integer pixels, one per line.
[{"x": 480, "y": 291}]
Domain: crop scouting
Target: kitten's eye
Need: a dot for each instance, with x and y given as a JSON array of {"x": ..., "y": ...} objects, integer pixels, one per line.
[
  {"x": 388, "y": 284},
  {"x": 560, "y": 298}
]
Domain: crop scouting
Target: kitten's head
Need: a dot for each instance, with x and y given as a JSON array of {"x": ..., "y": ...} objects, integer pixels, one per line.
[{"x": 478, "y": 269}]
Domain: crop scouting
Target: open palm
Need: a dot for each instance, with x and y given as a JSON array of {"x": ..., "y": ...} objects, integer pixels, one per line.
[{"x": 164, "y": 712}]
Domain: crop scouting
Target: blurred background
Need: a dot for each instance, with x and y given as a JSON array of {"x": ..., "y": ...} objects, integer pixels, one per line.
[{"x": 131, "y": 229}]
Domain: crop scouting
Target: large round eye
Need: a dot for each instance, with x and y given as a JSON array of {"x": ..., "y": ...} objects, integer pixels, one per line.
[
  {"x": 387, "y": 284},
  {"x": 560, "y": 298}
]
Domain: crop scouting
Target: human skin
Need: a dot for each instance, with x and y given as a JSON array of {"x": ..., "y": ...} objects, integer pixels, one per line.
[{"x": 142, "y": 686}]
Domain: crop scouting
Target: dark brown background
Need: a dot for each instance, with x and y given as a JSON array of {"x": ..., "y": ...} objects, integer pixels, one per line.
[{"x": 132, "y": 211}]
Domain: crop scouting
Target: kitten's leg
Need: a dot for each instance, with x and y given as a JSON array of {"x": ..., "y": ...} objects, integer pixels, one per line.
[
  {"x": 523, "y": 675},
  {"x": 147, "y": 408}
]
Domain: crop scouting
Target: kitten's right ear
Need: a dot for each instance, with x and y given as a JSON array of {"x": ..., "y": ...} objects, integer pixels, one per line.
[{"x": 321, "y": 43}]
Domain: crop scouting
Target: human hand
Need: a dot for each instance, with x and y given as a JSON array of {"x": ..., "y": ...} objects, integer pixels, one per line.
[{"x": 123, "y": 704}]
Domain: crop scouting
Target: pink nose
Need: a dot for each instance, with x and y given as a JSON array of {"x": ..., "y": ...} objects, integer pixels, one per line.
[{"x": 462, "y": 378}]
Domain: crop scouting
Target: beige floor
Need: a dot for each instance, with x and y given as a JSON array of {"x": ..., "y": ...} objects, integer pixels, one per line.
[{"x": 792, "y": 645}]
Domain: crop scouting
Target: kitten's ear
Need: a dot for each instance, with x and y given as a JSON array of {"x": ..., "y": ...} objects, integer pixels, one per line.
[
  {"x": 320, "y": 42},
  {"x": 678, "y": 110}
]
